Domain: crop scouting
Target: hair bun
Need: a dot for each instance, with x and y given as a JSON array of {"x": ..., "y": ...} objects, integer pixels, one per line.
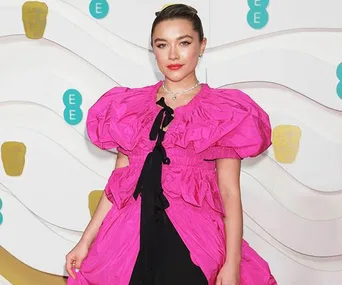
[{"x": 177, "y": 4}]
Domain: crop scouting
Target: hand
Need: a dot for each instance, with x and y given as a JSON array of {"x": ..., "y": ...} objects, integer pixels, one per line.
[
  {"x": 229, "y": 275},
  {"x": 75, "y": 258}
]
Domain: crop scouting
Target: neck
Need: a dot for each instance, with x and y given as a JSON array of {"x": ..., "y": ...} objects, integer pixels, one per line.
[{"x": 178, "y": 86}]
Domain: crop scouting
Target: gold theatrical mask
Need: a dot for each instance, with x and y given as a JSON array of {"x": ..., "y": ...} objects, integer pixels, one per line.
[
  {"x": 34, "y": 15},
  {"x": 13, "y": 157},
  {"x": 285, "y": 140},
  {"x": 93, "y": 200}
]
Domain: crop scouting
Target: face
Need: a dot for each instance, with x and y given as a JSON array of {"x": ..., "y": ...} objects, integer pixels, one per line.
[{"x": 177, "y": 48}]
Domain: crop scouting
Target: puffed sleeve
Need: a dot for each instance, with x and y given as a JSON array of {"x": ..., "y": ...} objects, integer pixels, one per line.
[
  {"x": 242, "y": 127},
  {"x": 226, "y": 123},
  {"x": 99, "y": 119}
]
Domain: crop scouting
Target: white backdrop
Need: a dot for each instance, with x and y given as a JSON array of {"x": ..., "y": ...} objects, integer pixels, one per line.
[{"x": 287, "y": 59}]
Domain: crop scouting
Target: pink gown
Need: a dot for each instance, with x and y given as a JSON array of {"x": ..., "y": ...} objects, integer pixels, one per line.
[{"x": 216, "y": 123}]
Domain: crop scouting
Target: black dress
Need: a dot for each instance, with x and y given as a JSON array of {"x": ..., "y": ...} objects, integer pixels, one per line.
[{"x": 163, "y": 257}]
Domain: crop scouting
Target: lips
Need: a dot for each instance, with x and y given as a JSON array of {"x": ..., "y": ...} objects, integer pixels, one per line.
[{"x": 174, "y": 66}]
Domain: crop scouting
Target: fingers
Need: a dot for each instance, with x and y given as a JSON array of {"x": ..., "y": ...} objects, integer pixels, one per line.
[
  {"x": 70, "y": 264},
  {"x": 78, "y": 264}
]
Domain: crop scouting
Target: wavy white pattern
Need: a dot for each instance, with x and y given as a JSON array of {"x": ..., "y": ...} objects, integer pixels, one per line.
[
  {"x": 292, "y": 267},
  {"x": 292, "y": 212},
  {"x": 33, "y": 117},
  {"x": 290, "y": 15},
  {"x": 54, "y": 176},
  {"x": 294, "y": 196},
  {"x": 26, "y": 238},
  {"x": 275, "y": 220},
  {"x": 283, "y": 68}
]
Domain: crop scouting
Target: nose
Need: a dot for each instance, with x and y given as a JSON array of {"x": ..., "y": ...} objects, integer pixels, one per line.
[{"x": 173, "y": 53}]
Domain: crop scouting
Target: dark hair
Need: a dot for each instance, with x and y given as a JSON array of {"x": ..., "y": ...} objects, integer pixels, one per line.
[{"x": 179, "y": 11}]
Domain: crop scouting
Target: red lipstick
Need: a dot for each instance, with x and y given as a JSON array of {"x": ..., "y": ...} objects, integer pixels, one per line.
[{"x": 175, "y": 66}]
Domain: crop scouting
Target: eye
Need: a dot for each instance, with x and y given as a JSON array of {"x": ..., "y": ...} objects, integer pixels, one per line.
[
  {"x": 161, "y": 46},
  {"x": 185, "y": 43}
]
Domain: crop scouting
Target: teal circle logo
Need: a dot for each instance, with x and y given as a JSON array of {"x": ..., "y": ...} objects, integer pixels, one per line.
[
  {"x": 99, "y": 8},
  {"x": 258, "y": 4},
  {"x": 339, "y": 89},
  {"x": 339, "y": 71},
  {"x": 1, "y": 217},
  {"x": 73, "y": 116},
  {"x": 257, "y": 18},
  {"x": 72, "y": 100}
]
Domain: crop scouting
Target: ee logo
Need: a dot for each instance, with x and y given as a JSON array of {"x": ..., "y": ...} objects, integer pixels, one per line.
[
  {"x": 1, "y": 217},
  {"x": 339, "y": 76},
  {"x": 257, "y": 16},
  {"x": 72, "y": 100},
  {"x": 98, "y": 8}
]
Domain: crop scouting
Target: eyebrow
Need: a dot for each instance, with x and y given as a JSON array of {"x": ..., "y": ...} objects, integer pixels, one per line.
[{"x": 179, "y": 38}]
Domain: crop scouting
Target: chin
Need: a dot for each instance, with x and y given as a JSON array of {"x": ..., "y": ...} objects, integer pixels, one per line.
[{"x": 174, "y": 76}]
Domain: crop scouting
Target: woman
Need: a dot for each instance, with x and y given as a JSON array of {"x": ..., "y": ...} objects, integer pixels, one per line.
[{"x": 171, "y": 213}]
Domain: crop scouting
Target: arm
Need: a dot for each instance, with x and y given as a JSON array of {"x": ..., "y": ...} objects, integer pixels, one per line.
[
  {"x": 102, "y": 208},
  {"x": 229, "y": 183}
]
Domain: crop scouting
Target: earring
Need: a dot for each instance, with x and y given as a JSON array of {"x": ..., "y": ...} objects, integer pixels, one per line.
[{"x": 201, "y": 55}]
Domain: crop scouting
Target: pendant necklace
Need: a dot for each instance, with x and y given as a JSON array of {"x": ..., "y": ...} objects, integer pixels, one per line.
[{"x": 174, "y": 94}]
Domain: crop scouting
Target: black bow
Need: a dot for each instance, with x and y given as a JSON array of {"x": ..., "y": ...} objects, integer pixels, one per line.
[{"x": 159, "y": 123}]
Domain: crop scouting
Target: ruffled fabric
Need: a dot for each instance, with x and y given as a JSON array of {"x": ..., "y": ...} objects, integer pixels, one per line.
[
  {"x": 118, "y": 117},
  {"x": 225, "y": 123},
  {"x": 222, "y": 123},
  {"x": 254, "y": 270},
  {"x": 99, "y": 119},
  {"x": 201, "y": 185},
  {"x": 121, "y": 185}
]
